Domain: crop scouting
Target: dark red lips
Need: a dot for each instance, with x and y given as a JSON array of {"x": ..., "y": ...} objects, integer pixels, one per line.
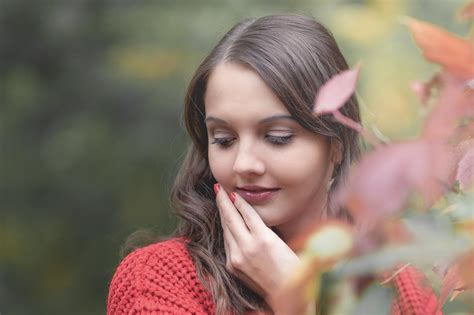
[{"x": 256, "y": 194}]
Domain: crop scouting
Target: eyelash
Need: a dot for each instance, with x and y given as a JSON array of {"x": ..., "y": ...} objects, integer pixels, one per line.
[{"x": 275, "y": 140}]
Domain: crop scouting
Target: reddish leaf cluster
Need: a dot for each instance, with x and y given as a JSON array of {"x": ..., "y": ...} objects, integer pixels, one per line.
[{"x": 384, "y": 181}]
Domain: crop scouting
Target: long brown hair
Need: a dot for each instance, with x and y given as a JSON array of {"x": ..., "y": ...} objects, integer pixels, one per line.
[{"x": 294, "y": 55}]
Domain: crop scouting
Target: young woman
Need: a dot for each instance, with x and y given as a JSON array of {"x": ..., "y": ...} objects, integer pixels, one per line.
[{"x": 260, "y": 171}]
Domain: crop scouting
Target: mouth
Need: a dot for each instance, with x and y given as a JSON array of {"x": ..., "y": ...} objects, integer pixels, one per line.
[{"x": 256, "y": 194}]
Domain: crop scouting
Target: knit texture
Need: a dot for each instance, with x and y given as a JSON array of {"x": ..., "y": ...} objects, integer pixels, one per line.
[
  {"x": 158, "y": 279},
  {"x": 414, "y": 295},
  {"x": 161, "y": 279}
]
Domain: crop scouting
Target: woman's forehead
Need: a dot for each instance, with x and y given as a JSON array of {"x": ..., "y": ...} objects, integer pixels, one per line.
[{"x": 236, "y": 90}]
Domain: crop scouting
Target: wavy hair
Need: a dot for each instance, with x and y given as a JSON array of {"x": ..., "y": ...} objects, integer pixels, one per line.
[{"x": 294, "y": 55}]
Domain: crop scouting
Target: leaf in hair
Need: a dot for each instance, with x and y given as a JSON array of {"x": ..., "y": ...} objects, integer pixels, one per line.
[{"x": 336, "y": 92}]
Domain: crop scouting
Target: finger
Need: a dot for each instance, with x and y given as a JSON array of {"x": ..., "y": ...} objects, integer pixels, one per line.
[
  {"x": 230, "y": 246},
  {"x": 229, "y": 240},
  {"x": 227, "y": 252},
  {"x": 251, "y": 218},
  {"x": 231, "y": 218},
  {"x": 233, "y": 248},
  {"x": 231, "y": 251}
]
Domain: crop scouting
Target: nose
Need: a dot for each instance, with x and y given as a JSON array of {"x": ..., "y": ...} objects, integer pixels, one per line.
[{"x": 248, "y": 162}]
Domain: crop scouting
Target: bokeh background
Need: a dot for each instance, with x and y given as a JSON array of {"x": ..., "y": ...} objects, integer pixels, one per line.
[{"x": 90, "y": 122}]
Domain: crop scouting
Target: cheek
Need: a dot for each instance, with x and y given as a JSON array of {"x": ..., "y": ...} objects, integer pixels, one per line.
[
  {"x": 300, "y": 167},
  {"x": 221, "y": 166}
]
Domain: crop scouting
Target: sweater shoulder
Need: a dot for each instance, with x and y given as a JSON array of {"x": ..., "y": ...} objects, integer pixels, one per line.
[
  {"x": 158, "y": 277},
  {"x": 162, "y": 252},
  {"x": 154, "y": 261}
]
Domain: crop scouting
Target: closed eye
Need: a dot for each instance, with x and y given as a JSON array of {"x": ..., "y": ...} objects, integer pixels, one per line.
[
  {"x": 223, "y": 142},
  {"x": 279, "y": 140},
  {"x": 226, "y": 142}
]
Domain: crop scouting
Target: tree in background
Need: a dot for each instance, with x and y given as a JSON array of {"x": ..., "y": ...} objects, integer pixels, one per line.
[
  {"x": 80, "y": 146},
  {"x": 90, "y": 101}
]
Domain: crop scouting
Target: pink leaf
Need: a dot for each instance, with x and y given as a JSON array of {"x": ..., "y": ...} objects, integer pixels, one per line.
[
  {"x": 450, "y": 282},
  {"x": 336, "y": 92},
  {"x": 465, "y": 174},
  {"x": 381, "y": 183},
  {"x": 458, "y": 278},
  {"x": 346, "y": 121},
  {"x": 357, "y": 126},
  {"x": 455, "y": 102}
]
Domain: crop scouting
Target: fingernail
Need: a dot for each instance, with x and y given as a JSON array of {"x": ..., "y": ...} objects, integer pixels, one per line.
[
  {"x": 232, "y": 197},
  {"x": 216, "y": 188}
]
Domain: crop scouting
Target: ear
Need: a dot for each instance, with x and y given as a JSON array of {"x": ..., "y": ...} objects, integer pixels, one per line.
[{"x": 336, "y": 150}]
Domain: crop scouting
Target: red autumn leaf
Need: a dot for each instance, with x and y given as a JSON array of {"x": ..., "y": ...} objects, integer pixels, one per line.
[
  {"x": 455, "y": 102},
  {"x": 336, "y": 92},
  {"x": 458, "y": 278},
  {"x": 467, "y": 12},
  {"x": 450, "y": 282},
  {"x": 382, "y": 181},
  {"x": 452, "y": 52},
  {"x": 465, "y": 172},
  {"x": 465, "y": 268}
]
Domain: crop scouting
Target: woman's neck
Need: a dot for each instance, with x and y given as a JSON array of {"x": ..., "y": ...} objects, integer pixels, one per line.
[{"x": 302, "y": 225}]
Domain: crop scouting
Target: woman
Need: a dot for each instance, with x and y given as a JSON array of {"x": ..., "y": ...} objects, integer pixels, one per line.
[{"x": 260, "y": 171}]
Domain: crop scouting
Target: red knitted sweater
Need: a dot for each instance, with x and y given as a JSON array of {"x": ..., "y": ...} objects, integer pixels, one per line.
[
  {"x": 158, "y": 279},
  {"x": 161, "y": 279}
]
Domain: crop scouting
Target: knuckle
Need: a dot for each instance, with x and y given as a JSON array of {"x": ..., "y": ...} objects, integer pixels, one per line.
[
  {"x": 236, "y": 262},
  {"x": 252, "y": 250},
  {"x": 262, "y": 243},
  {"x": 228, "y": 222},
  {"x": 224, "y": 219}
]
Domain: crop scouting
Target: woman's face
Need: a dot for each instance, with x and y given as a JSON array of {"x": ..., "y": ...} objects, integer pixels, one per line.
[{"x": 259, "y": 151}]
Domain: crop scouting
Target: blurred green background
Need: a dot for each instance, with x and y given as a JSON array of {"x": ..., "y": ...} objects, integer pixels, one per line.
[{"x": 90, "y": 122}]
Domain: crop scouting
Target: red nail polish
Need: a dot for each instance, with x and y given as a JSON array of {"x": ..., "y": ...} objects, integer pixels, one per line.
[
  {"x": 216, "y": 188},
  {"x": 232, "y": 197}
]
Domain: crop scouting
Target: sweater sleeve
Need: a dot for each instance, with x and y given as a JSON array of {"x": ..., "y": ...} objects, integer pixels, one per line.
[
  {"x": 414, "y": 295},
  {"x": 158, "y": 279}
]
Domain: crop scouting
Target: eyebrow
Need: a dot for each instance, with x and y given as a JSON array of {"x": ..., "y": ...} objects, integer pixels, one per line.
[{"x": 264, "y": 120}]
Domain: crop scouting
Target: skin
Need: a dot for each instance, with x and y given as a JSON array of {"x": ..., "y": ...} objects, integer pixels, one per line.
[{"x": 247, "y": 147}]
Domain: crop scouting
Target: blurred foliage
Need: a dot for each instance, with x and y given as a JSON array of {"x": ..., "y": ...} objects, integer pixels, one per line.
[
  {"x": 90, "y": 130},
  {"x": 411, "y": 200}
]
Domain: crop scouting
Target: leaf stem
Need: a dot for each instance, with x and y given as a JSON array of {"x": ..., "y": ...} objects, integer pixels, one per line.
[{"x": 346, "y": 121}]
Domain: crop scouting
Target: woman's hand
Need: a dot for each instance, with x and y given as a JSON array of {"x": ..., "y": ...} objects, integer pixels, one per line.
[{"x": 255, "y": 254}]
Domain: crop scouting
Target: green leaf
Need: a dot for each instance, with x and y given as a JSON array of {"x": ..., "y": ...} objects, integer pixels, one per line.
[
  {"x": 462, "y": 206},
  {"x": 376, "y": 300},
  {"x": 419, "y": 253}
]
